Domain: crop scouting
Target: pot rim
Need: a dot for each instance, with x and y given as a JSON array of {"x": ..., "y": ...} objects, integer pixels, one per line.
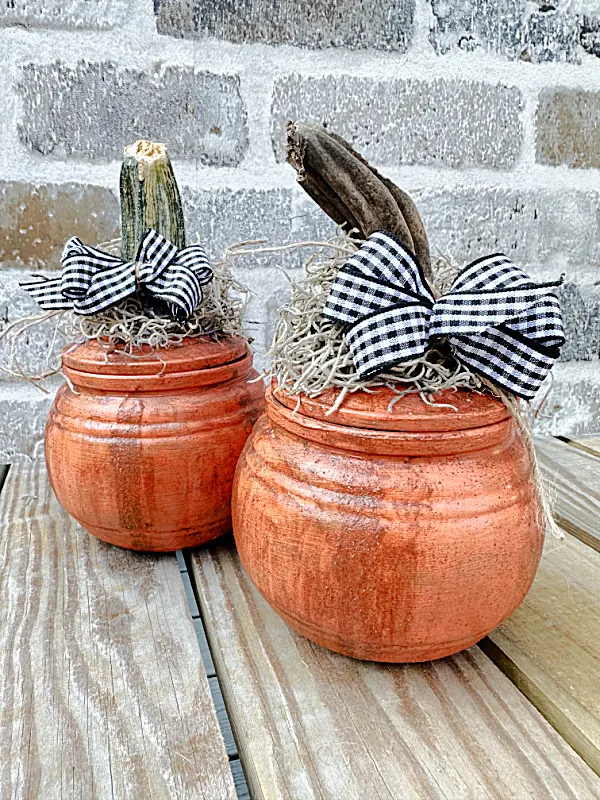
[
  {"x": 369, "y": 410},
  {"x": 334, "y": 435},
  {"x": 196, "y": 363},
  {"x": 192, "y": 355}
]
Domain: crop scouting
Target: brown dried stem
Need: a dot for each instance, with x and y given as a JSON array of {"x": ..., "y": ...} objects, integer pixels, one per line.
[{"x": 352, "y": 192}]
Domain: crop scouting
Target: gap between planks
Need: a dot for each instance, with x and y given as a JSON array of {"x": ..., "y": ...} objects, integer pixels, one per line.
[
  {"x": 3, "y": 474},
  {"x": 220, "y": 707}
]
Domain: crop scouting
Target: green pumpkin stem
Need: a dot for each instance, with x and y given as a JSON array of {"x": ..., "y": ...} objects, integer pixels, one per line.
[{"x": 150, "y": 197}]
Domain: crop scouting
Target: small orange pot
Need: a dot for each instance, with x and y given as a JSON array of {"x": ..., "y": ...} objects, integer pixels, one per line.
[
  {"x": 403, "y": 536},
  {"x": 143, "y": 451}
]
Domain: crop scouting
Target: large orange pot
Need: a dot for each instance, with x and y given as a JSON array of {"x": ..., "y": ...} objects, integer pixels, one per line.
[
  {"x": 402, "y": 536},
  {"x": 143, "y": 451}
]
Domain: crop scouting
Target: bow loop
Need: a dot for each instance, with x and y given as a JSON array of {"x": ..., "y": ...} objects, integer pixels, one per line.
[
  {"x": 155, "y": 255},
  {"x": 92, "y": 280},
  {"x": 80, "y": 264},
  {"x": 381, "y": 273},
  {"x": 489, "y": 292},
  {"x": 496, "y": 319}
]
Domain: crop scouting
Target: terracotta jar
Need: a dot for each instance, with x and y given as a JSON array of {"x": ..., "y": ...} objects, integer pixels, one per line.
[
  {"x": 142, "y": 451},
  {"x": 402, "y": 536}
]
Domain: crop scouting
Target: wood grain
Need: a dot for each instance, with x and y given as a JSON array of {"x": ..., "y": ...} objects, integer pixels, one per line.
[
  {"x": 312, "y": 724},
  {"x": 573, "y": 477},
  {"x": 103, "y": 690},
  {"x": 550, "y": 647}
]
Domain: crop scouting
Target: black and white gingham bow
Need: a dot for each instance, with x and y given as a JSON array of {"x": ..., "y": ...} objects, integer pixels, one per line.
[
  {"x": 496, "y": 319},
  {"x": 92, "y": 280}
]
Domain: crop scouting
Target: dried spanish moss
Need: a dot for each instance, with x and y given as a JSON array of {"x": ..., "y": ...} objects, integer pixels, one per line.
[
  {"x": 309, "y": 353},
  {"x": 128, "y": 326}
]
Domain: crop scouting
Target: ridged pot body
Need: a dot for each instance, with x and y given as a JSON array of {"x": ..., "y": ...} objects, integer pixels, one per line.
[
  {"x": 396, "y": 545},
  {"x": 142, "y": 452}
]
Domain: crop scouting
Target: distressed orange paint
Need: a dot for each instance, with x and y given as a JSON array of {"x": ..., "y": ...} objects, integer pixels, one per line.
[
  {"x": 143, "y": 453},
  {"x": 401, "y": 537}
]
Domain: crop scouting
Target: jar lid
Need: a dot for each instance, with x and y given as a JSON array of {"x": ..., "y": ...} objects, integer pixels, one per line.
[
  {"x": 456, "y": 410},
  {"x": 192, "y": 355}
]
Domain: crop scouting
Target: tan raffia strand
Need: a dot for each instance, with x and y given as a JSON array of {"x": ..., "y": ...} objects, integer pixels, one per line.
[
  {"x": 525, "y": 415},
  {"x": 128, "y": 327}
]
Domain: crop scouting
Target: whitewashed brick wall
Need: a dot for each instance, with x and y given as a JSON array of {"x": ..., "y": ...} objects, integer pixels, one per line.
[{"x": 487, "y": 112}]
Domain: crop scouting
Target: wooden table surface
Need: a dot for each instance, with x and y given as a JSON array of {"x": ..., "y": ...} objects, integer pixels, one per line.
[{"x": 128, "y": 675}]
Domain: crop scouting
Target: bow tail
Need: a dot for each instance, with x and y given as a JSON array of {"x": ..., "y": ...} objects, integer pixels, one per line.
[
  {"x": 387, "y": 338},
  {"x": 507, "y": 359},
  {"x": 48, "y": 294},
  {"x": 518, "y": 354}
]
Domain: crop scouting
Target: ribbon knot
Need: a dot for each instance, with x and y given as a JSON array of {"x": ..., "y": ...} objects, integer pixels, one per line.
[
  {"x": 496, "y": 319},
  {"x": 92, "y": 280}
]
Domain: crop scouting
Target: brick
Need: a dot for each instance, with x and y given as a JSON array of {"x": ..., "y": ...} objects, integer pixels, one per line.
[
  {"x": 534, "y": 227},
  {"x": 36, "y": 221},
  {"x": 567, "y": 128},
  {"x": 270, "y": 290},
  {"x": 23, "y": 411},
  {"x": 311, "y": 223},
  {"x": 94, "y": 110},
  {"x": 561, "y": 229},
  {"x": 447, "y": 123},
  {"x": 573, "y": 403},
  {"x": 357, "y": 24},
  {"x": 516, "y": 29},
  {"x": 222, "y": 217},
  {"x": 580, "y": 305},
  {"x": 589, "y": 35},
  {"x": 64, "y": 13}
]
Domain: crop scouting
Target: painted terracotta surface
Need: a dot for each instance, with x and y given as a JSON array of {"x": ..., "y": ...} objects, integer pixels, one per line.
[
  {"x": 390, "y": 545},
  {"x": 143, "y": 452}
]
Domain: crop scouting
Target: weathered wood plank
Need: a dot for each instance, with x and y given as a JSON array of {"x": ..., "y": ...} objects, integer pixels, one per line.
[
  {"x": 312, "y": 724},
  {"x": 103, "y": 693},
  {"x": 573, "y": 476},
  {"x": 550, "y": 647}
]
